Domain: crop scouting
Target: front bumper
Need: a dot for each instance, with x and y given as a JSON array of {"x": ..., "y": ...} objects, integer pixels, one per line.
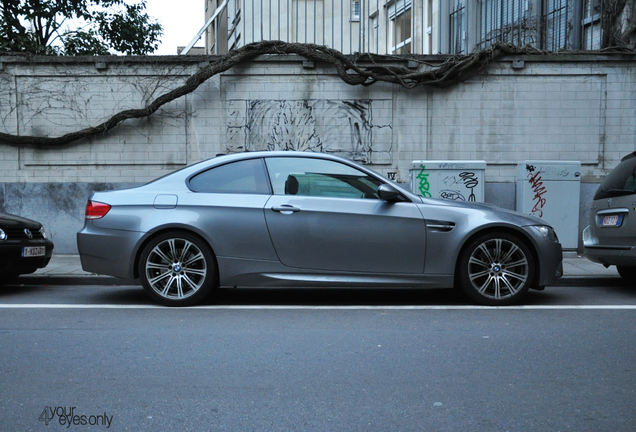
[
  {"x": 550, "y": 258},
  {"x": 551, "y": 265},
  {"x": 12, "y": 261}
]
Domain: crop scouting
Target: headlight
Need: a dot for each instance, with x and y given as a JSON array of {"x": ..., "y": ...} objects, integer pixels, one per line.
[
  {"x": 546, "y": 231},
  {"x": 43, "y": 232},
  {"x": 3, "y": 235}
]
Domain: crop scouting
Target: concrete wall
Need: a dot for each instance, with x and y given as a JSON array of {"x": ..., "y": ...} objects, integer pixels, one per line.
[{"x": 548, "y": 108}]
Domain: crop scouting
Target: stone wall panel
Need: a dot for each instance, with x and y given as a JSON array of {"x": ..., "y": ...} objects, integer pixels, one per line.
[{"x": 553, "y": 109}]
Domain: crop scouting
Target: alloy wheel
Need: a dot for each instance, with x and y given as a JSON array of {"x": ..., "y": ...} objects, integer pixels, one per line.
[
  {"x": 498, "y": 269},
  {"x": 176, "y": 269}
]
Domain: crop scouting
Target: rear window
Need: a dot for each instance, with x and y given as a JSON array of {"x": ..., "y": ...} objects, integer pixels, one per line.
[
  {"x": 243, "y": 177},
  {"x": 621, "y": 181}
]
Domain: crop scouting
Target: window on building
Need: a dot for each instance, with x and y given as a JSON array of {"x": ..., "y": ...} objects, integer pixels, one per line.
[
  {"x": 429, "y": 27},
  {"x": 458, "y": 27},
  {"x": 555, "y": 28},
  {"x": 374, "y": 35},
  {"x": 401, "y": 29},
  {"x": 355, "y": 10},
  {"x": 591, "y": 25},
  {"x": 505, "y": 21}
]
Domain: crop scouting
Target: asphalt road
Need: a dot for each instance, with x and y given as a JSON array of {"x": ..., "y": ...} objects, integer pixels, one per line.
[{"x": 317, "y": 360}]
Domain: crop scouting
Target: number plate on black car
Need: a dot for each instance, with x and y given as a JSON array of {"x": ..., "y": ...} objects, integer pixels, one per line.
[
  {"x": 33, "y": 251},
  {"x": 612, "y": 221}
]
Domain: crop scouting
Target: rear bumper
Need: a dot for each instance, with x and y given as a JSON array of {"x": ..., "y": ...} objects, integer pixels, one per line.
[
  {"x": 108, "y": 252},
  {"x": 611, "y": 256},
  {"x": 620, "y": 255}
]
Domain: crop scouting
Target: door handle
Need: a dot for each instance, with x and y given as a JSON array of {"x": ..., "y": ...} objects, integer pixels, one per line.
[{"x": 285, "y": 208}]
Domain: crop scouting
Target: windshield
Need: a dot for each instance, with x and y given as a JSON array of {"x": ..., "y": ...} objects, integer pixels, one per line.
[{"x": 621, "y": 181}]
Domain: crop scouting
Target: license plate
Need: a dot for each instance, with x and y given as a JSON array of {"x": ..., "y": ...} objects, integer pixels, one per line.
[
  {"x": 612, "y": 221},
  {"x": 33, "y": 251}
]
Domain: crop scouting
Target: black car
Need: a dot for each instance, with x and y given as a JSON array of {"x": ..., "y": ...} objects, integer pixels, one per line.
[{"x": 24, "y": 246}]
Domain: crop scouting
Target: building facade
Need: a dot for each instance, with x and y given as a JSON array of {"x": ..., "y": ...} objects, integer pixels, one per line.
[
  {"x": 409, "y": 26},
  {"x": 551, "y": 25}
]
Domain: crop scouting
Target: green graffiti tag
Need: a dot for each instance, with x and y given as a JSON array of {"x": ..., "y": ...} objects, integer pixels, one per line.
[{"x": 424, "y": 184}]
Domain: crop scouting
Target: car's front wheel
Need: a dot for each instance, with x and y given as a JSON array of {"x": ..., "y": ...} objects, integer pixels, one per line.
[
  {"x": 495, "y": 269},
  {"x": 177, "y": 269}
]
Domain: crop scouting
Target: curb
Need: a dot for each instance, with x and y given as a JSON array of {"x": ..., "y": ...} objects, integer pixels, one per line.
[
  {"x": 591, "y": 281},
  {"x": 75, "y": 280}
]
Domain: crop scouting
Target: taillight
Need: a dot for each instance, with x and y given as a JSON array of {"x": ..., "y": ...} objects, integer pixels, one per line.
[{"x": 96, "y": 210}]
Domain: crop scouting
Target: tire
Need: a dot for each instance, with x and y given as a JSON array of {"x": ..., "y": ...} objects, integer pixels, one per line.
[
  {"x": 8, "y": 278},
  {"x": 496, "y": 269},
  {"x": 177, "y": 269},
  {"x": 627, "y": 273}
]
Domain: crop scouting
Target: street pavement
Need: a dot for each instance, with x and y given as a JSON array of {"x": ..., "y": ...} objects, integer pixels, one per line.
[
  {"x": 317, "y": 360},
  {"x": 67, "y": 270}
]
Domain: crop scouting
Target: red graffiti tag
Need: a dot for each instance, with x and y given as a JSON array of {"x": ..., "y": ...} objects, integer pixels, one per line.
[{"x": 539, "y": 190}]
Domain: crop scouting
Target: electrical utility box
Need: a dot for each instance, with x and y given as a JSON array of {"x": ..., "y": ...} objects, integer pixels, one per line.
[
  {"x": 449, "y": 179},
  {"x": 551, "y": 191}
]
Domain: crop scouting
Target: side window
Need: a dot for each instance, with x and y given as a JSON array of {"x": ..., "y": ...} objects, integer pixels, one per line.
[
  {"x": 630, "y": 184},
  {"x": 321, "y": 178},
  {"x": 243, "y": 177}
]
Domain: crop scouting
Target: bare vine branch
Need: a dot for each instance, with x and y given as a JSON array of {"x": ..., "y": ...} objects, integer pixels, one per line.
[
  {"x": 618, "y": 23},
  {"x": 450, "y": 72}
]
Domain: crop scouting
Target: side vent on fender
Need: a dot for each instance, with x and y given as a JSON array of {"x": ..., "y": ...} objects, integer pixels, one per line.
[{"x": 440, "y": 226}]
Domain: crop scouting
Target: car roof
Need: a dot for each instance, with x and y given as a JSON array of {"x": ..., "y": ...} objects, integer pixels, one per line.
[
  {"x": 223, "y": 159},
  {"x": 629, "y": 156},
  {"x": 178, "y": 179}
]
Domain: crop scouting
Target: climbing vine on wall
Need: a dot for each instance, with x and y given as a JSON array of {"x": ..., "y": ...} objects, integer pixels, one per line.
[
  {"x": 618, "y": 22},
  {"x": 362, "y": 70}
]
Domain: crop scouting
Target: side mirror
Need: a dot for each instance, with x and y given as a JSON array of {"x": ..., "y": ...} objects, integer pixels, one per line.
[{"x": 388, "y": 193}]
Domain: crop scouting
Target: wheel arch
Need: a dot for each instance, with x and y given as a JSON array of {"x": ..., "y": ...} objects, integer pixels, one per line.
[
  {"x": 172, "y": 229},
  {"x": 520, "y": 234}
]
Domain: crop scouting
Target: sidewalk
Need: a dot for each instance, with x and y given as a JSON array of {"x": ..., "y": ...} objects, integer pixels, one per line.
[{"x": 66, "y": 269}]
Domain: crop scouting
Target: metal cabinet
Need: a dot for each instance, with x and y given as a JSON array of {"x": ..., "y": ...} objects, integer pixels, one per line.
[
  {"x": 451, "y": 180},
  {"x": 551, "y": 191}
]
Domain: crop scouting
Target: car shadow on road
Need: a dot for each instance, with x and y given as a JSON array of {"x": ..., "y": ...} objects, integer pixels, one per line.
[
  {"x": 335, "y": 297},
  {"x": 372, "y": 297},
  {"x": 297, "y": 297},
  {"x": 134, "y": 295}
]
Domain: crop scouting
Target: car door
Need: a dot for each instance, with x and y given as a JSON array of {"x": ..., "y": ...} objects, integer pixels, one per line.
[{"x": 326, "y": 215}]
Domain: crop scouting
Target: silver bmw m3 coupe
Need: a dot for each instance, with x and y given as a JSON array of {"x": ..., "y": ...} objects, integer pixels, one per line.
[{"x": 301, "y": 219}]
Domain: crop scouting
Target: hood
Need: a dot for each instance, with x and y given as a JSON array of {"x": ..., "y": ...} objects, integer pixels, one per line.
[
  {"x": 490, "y": 208},
  {"x": 12, "y": 221}
]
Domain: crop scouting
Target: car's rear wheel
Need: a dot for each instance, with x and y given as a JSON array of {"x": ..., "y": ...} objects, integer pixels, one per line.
[
  {"x": 177, "y": 269},
  {"x": 496, "y": 269},
  {"x": 627, "y": 273}
]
